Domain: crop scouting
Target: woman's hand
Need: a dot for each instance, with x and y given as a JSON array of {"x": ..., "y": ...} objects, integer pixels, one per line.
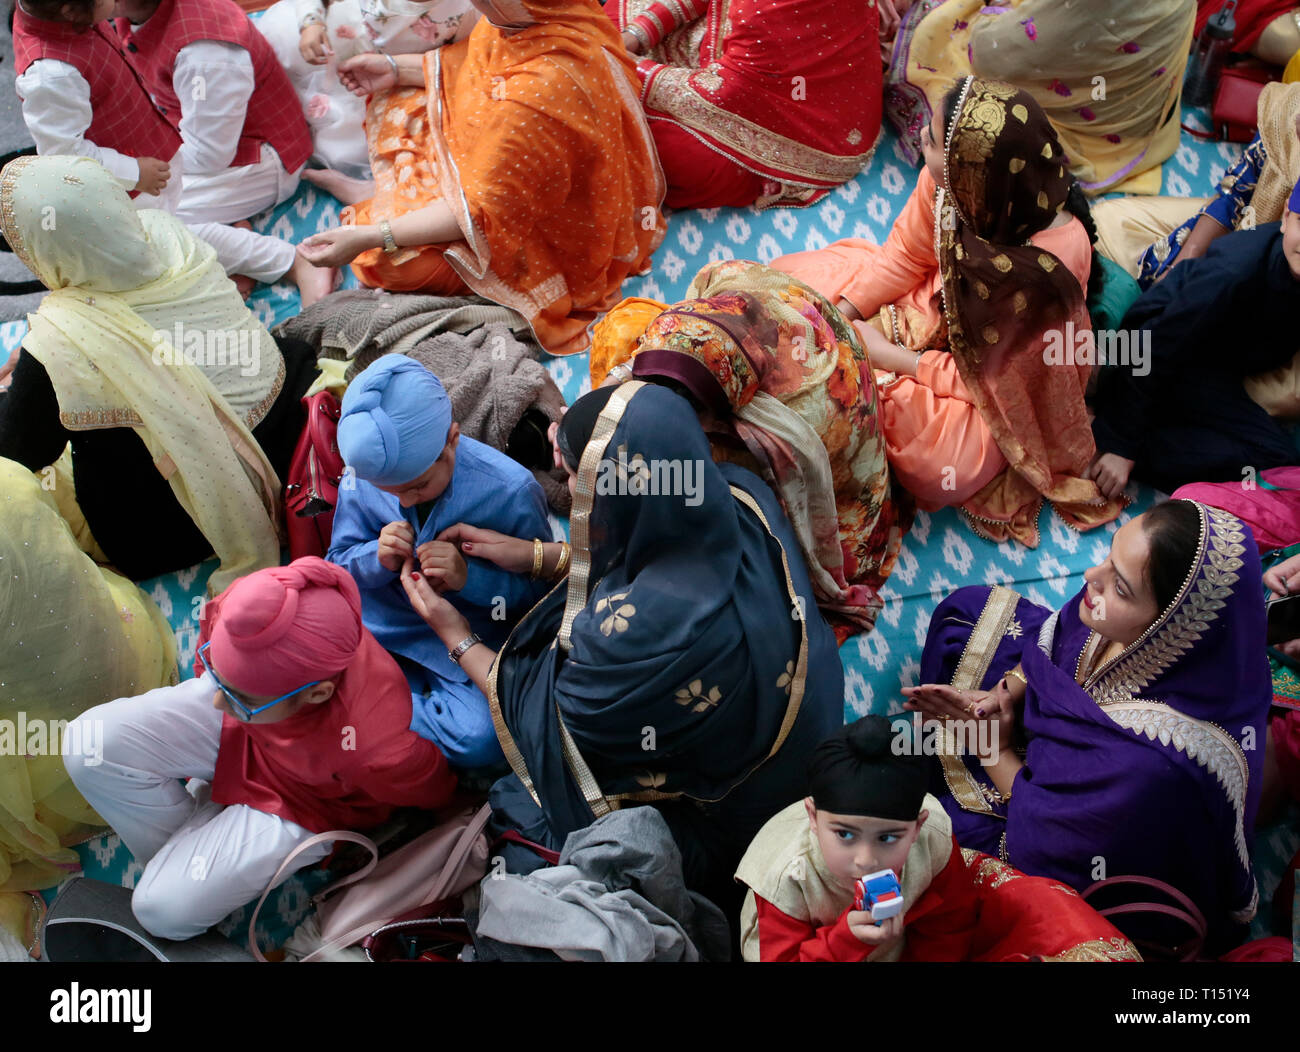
[
  {"x": 437, "y": 612},
  {"x": 632, "y": 42},
  {"x": 1111, "y": 473},
  {"x": 1284, "y": 578},
  {"x": 338, "y": 247},
  {"x": 509, "y": 553},
  {"x": 865, "y": 930},
  {"x": 314, "y": 44},
  {"x": 882, "y": 353},
  {"x": 367, "y": 74},
  {"x": 941, "y": 702}
]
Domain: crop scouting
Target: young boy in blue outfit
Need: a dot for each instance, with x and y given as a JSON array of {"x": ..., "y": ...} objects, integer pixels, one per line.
[{"x": 415, "y": 476}]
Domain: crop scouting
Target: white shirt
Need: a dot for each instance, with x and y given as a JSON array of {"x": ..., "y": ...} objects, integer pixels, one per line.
[
  {"x": 57, "y": 112},
  {"x": 213, "y": 81}
]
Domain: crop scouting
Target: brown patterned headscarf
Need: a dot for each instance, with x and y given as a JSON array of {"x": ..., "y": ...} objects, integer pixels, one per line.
[{"x": 1006, "y": 179}]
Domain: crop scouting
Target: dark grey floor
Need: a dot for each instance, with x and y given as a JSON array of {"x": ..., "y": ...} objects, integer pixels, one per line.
[{"x": 13, "y": 136}]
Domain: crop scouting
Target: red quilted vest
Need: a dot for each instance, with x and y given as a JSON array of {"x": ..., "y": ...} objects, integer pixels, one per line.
[
  {"x": 274, "y": 112},
  {"x": 123, "y": 116}
]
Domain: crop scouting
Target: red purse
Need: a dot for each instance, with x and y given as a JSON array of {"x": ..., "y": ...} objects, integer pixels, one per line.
[
  {"x": 311, "y": 491},
  {"x": 1236, "y": 102}
]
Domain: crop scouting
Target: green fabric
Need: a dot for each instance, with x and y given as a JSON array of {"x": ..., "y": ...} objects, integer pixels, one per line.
[{"x": 1118, "y": 293}]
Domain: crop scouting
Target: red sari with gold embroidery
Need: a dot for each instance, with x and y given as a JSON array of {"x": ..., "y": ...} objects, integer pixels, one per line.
[{"x": 771, "y": 102}]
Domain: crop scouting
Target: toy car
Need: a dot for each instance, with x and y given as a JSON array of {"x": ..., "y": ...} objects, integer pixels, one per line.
[{"x": 879, "y": 894}]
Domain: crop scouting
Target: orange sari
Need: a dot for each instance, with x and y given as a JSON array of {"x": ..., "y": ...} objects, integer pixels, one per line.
[{"x": 531, "y": 131}]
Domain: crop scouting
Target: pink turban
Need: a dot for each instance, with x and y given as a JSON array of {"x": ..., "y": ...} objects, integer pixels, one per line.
[{"x": 281, "y": 628}]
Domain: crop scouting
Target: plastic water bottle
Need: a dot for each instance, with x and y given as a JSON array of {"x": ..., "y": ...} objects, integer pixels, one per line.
[{"x": 1208, "y": 57}]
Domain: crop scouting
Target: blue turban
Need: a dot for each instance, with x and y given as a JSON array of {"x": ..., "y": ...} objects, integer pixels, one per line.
[
  {"x": 394, "y": 423},
  {"x": 1293, "y": 203}
]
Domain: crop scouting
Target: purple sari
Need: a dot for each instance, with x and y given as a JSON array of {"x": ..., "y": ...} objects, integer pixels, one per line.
[{"x": 1152, "y": 767}]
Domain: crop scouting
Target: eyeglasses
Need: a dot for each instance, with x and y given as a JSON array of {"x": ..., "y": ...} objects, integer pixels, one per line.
[{"x": 242, "y": 711}]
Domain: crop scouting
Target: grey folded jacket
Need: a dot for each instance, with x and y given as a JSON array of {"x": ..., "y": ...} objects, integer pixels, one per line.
[{"x": 617, "y": 895}]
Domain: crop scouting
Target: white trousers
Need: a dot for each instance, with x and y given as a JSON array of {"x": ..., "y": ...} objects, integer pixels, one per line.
[
  {"x": 201, "y": 860},
  {"x": 239, "y": 251},
  {"x": 233, "y": 194}
]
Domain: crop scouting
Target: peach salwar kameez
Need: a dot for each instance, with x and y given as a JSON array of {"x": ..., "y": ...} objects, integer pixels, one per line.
[{"x": 940, "y": 448}]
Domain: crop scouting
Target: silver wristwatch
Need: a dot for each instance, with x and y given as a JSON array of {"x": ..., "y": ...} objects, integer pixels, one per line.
[{"x": 463, "y": 647}]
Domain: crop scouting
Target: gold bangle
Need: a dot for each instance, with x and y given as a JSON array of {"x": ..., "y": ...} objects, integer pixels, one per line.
[
  {"x": 386, "y": 229},
  {"x": 562, "y": 567},
  {"x": 538, "y": 554},
  {"x": 1017, "y": 674}
]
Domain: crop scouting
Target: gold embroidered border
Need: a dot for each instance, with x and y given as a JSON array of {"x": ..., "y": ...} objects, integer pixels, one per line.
[
  {"x": 671, "y": 92},
  {"x": 93, "y": 419},
  {"x": 581, "y": 772},
  {"x": 993, "y": 872},
  {"x": 508, "y": 744},
  {"x": 1116, "y": 948},
  {"x": 583, "y": 501},
  {"x": 259, "y": 411},
  {"x": 1207, "y": 743},
  {"x": 1206, "y": 588},
  {"x": 978, "y": 654},
  {"x": 8, "y": 221}
]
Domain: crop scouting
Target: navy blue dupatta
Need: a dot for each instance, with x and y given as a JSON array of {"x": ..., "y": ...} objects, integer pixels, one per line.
[{"x": 684, "y": 660}]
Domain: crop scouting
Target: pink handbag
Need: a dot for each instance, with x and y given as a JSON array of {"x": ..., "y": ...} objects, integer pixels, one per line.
[
  {"x": 1186, "y": 911},
  {"x": 435, "y": 866}
]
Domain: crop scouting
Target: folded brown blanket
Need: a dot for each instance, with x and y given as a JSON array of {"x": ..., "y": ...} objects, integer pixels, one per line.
[{"x": 483, "y": 354}]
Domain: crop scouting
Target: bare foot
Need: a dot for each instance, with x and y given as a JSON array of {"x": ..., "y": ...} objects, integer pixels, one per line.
[
  {"x": 244, "y": 284},
  {"x": 348, "y": 190},
  {"x": 314, "y": 283}
]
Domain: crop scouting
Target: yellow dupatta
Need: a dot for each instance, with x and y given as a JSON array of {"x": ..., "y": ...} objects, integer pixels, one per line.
[
  {"x": 1108, "y": 73},
  {"x": 71, "y": 224},
  {"x": 75, "y": 635}
]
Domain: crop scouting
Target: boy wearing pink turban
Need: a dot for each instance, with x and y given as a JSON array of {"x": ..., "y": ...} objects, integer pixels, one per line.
[
  {"x": 416, "y": 476},
  {"x": 297, "y": 717}
]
